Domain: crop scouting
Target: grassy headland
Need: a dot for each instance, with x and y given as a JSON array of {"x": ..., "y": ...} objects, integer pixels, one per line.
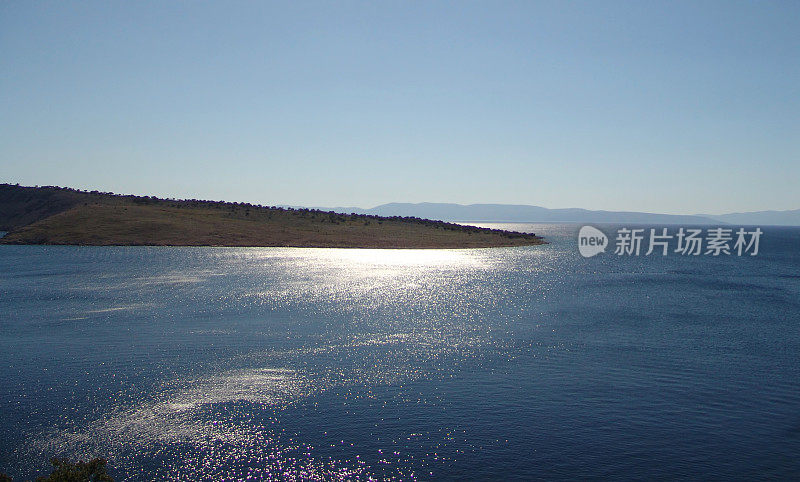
[{"x": 55, "y": 215}]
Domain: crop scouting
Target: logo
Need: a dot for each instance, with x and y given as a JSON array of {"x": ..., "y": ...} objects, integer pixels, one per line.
[
  {"x": 591, "y": 241},
  {"x": 716, "y": 241}
]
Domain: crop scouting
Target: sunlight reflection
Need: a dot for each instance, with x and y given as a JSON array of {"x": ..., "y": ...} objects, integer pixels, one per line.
[
  {"x": 345, "y": 258},
  {"x": 399, "y": 257}
]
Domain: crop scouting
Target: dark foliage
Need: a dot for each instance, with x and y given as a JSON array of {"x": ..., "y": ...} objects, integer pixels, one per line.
[{"x": 65, "y": 471}]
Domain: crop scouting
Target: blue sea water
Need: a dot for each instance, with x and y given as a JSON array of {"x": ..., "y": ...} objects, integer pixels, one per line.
[{"x": 513, "y": 363}]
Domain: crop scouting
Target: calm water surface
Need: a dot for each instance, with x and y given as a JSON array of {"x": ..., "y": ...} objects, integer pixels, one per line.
[{"x": 520, "y": 363}]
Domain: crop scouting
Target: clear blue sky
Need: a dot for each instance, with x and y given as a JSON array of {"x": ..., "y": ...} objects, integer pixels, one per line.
[{"x": 676, "y": 107}]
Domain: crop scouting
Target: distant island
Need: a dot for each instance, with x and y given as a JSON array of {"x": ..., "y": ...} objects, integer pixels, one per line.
[
  {"x": 521, "y": 213},
  {"x": 64, "y": 216}
]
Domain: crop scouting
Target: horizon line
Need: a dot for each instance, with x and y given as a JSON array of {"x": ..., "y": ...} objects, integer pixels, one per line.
[{"x": 329, "y": 208}]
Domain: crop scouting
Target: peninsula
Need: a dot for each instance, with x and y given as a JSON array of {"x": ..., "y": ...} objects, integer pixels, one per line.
[{"x": 64, "y": 216}]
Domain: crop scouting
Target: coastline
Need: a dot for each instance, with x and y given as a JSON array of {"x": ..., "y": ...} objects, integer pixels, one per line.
[{"x": 62, "y": 216}]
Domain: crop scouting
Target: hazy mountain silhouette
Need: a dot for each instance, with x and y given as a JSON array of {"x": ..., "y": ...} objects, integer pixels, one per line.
[
  {"x": 520, "y": 214},
  {"x": 536, "y": 214},
  {"x": 763, "y": 218}
]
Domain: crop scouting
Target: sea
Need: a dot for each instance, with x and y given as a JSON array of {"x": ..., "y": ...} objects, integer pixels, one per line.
[{"x": 525, "y": 363}]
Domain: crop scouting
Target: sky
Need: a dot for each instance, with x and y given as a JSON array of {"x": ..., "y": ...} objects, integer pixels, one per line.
[{"x": 673, "y": 107}]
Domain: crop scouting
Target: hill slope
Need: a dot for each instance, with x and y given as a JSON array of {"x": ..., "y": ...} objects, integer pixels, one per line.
[{"x": 52, "y": 215}]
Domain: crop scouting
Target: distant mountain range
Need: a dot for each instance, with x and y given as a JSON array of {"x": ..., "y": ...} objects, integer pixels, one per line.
[
  {"x": 766, "y": 218},
  {"x": 535, "y": 214}
]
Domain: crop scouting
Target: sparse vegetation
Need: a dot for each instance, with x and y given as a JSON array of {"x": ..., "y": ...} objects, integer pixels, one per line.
[
  {"x": 55, "y": 215},
  {"x": 66, "y": 471}
]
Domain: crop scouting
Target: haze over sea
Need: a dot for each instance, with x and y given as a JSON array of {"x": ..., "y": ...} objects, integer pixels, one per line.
[{"x": 520, "y": 363}]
